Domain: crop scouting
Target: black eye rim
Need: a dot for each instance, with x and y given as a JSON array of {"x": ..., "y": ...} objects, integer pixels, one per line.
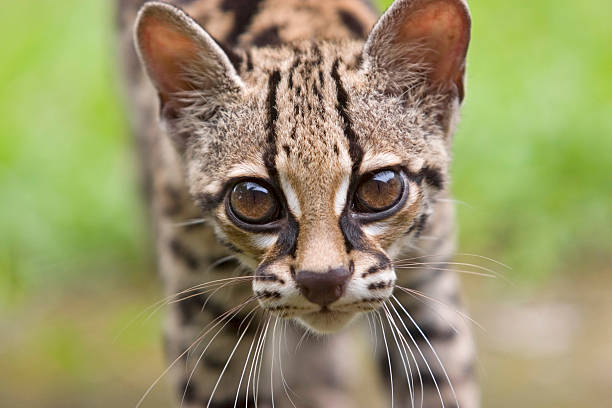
[
  {"x": 367, "y": 217},
  {"x": 254, "y": 227}
]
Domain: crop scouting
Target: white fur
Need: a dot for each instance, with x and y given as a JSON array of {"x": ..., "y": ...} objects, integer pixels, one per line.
[
  {"x": 340, "y": 198},
  {"x": 291, "y": 197}
]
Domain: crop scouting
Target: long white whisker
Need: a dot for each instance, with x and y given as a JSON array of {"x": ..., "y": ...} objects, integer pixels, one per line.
[
  {"x": 404, "y": 357},
  {"x": 450, "y": 384},
  {"x": 246, "y": 363},
  {"x": 230, "y": 359},
  {"x": 433, "y": 377},
  {"x": 417, "y": 295},
  {"x": 219, "y": 319},
  {"x": 485, "y": 275},
  {"x": 272, "y": 363},
  {"x": 382, "y": 329},
  {"x": 280, "y": 363},
  {"x": 254, "y": 363},
  {"x": 195, "y": 366}
]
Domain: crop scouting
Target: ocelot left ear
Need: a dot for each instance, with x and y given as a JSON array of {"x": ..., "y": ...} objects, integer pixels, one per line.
[
  {"x": 182, "y": 60},
  {"x": 424, "y": 34}
]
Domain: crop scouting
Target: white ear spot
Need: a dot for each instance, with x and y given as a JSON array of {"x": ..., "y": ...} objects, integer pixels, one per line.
[{"x": 340, "y": 198}]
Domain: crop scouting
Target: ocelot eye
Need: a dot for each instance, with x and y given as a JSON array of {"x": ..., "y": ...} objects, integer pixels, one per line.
[
  {"x": 379, "y": 191},
  {"x": 252, "y": 202}
]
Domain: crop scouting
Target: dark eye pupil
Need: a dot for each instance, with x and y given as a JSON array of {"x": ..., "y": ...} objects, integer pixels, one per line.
[
  {"x": 253, "y": 203},
  {"x": 379, "y": 191}
]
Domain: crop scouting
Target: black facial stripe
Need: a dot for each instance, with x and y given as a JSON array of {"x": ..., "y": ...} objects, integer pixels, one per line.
[
  {"x": 269, "y": 156},
  {"x": 268, "y": 294},
  {"x": 381, "y": 285},
  {"x": 286, "y": 244},
  {"x": 353, "y": 236},
  {"x": 355, "y": 150},
  {"x": 382, "y": 264}
]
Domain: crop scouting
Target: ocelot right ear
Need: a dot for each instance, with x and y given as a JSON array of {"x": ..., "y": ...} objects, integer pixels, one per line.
[
  {"x": 181, "y": 58},
  {"x": 431, "y": 35}
]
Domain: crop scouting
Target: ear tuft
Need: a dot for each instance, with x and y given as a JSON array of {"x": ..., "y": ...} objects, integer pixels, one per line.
[
  {"x": 179, "y": 56},
  {"x": 431, "y": 33}
]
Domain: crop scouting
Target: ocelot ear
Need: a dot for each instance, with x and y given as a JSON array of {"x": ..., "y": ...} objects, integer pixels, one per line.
[
  {"x": 182, "y": 60},
  {"x": 426, "y": 35}
]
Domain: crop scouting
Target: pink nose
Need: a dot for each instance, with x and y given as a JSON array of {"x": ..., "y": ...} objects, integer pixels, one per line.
[{"x": 323, "y": 288}]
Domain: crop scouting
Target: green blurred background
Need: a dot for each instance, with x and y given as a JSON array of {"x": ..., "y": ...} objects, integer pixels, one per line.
[{"x": 532, "y": 172}]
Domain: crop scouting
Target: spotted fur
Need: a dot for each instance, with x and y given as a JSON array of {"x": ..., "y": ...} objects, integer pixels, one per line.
[{"x": 308, "y": 95}]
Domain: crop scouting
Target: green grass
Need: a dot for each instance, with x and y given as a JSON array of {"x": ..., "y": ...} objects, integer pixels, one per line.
[{"x": 532, "y": 155}]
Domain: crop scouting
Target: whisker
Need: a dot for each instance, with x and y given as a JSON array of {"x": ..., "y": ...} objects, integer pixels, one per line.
[
  {"x": 168, "y": 300},
  {"x": 188, "y": 223},
  {"x": 272, "y": 363},
  {"x": 255, "y": 355},
  {"x": 393, "y": 329},
  {"x": 195, "y": 366},
  {"x": 286, "y": 386},
  {"x": 414, "y": 342},
  {"x": 246, "y": 363},
  {"x": 486, "y": 275},
  {"x": 218, "y": 320},
  {"x": 478, "y": 267},
  {"x": 230, "y": 356},
  {"x": 416, "y": 294},
  {"x": 407, "y": 346},
  {"x": 388, "y": 359},
  {"x": 156, "y": 306},
  {"x": 260, "y": 363},
  {"x": 432, "y": 349}
]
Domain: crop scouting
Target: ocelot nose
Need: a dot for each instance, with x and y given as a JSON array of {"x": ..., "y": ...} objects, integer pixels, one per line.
[{"x": 323, "y": 288}]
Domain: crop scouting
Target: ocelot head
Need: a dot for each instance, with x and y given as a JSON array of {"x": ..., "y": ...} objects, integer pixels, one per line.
[{"x": 315, "y": 161}]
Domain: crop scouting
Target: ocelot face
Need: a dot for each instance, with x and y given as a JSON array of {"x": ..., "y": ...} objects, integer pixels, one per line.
[{"x": 316, "y": 163}]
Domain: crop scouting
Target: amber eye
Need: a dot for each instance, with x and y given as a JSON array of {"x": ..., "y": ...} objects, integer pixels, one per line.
[
  {"x": 253, "y": 203},
  {"x": 379, "y": 191}
]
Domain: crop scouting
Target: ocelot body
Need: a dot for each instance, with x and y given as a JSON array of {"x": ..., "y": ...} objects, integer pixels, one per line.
[{"x": 295, "y": 157}]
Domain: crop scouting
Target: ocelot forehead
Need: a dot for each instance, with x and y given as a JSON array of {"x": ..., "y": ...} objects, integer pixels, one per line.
[{"x": 312, "y": 149}]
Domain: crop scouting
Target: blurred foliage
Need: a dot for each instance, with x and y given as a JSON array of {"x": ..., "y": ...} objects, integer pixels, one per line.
[{"x": 533, "y": 154}]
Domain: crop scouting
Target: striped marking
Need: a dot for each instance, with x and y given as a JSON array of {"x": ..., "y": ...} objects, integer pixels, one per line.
[{"x": 342, "y": 97}]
